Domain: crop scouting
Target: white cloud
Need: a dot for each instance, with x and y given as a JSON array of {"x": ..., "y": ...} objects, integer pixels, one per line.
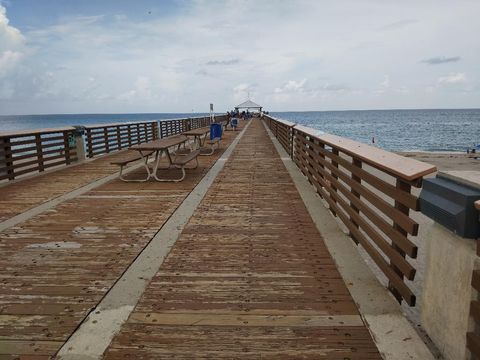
[
  {"x": 398, "y": 25},
  {"x": 11, "y": 45},
  {"x": 187, "y": 59},
  {"x": 291, "y": 86},
  {"x": 8, "y": 60},
  {"x": 385, "y": 84},
  {"x": 242, "y": 91},
  {"x": 10, "y": 37},
  {"x": 453, "y": 78}
]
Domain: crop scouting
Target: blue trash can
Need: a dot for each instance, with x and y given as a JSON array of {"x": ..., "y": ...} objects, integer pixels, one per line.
[{"x": 215, "y": 131}]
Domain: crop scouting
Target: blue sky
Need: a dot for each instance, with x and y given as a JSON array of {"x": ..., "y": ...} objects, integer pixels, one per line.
[{"x": 178, "y": 56}]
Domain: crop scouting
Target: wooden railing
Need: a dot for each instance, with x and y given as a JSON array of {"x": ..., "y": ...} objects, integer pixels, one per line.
[
  {"x": 34, "y": 151},
  {"x": 25, "y": 152},
  {"x": 283, "y": 131},
  {"x": 369, "y": 190},
  {"x": 102, "y": 139},
  {"x": 172, "y": 127},
  {"x": 178, "y": 126},
  {"x": 196, "y": 123},
  {"x": 473, "y": 337}
]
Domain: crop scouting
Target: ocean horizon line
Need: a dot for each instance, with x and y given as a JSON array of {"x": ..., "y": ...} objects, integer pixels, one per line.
[
  {"x": 394, "y": 130},
  {"x": 270, "y": 111}
]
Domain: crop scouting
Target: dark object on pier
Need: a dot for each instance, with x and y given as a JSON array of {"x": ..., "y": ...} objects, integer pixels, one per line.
[
  {"x": 451, "y": 204},
  {"x": 215, "y": 131}
]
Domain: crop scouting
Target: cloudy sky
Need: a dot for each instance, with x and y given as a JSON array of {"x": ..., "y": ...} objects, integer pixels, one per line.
[{"x": 177, "y": 56}]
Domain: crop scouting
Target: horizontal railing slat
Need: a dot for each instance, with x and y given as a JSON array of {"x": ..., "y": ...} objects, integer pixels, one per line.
[{"x": 407, "y": 223}]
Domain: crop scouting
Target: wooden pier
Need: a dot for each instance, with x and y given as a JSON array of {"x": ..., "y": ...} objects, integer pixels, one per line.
[{"x": 249, "y": 276}]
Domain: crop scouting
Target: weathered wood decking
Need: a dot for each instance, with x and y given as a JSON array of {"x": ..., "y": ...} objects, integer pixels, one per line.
[
  {"x": 55, "y": 267},
  {"x": 249, "y": 276},
  {"x": 21, "y": 196}
]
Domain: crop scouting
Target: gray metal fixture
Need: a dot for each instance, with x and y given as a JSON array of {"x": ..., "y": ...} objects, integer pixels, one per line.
[{"x": 451, "y": 204}]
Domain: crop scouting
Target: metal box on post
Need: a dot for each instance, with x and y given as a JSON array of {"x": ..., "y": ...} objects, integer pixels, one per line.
[{"x": 451, "y": 204}]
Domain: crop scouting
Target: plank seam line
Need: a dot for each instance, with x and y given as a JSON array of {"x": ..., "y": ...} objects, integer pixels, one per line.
[{"x": 91, "y": 337}]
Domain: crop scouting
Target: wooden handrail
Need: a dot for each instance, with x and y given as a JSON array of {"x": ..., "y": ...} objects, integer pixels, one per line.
[
  {"x": 32, "y": 151},
  {"x": 116, "y": 136},
  {"x": 23, "y": 133},
  {"x": 27, "y": 151},
  {"x": 399, "y": 166},
  {"x": 368, "y": 189}
]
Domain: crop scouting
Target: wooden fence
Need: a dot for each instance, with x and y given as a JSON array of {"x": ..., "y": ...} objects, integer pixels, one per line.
[
  {"x": 178, "y": 126},
  {"x": 34, "y": 151},
  {"x": 172, "y": 127},
  {"x": 283, "y": 131},
  {"x": 102, "y": 139},
  {"x": 27, "y": 152},
  {"x": 369, "y": 190}
]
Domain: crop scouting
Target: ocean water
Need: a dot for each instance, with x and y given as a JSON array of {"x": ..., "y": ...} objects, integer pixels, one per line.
[
  {"x": 26, "y": 122},
  {"x": 398, "y": 130},
  {"x": 395, "y": 130}
]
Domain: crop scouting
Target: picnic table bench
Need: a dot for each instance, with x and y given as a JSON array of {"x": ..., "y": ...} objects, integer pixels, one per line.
[
  {"x": 131, "y": 157},
  {"x": 160, "y": 146},
  {"x": 200, "y": 136},
  {"x": 212, "y": 143}
]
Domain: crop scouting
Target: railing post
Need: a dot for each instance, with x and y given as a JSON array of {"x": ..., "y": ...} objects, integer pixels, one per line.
[
  {"x": 322, "y": 168},
  {"x": 156, "y": 130},
  {"x": 89, "y": 143},
  {"x": 357, "y": 163},
  {"x": 335, "y": 164},
  {"x": 119, "y": 140},
  {"x": 38, "y": 145},
  {"x": 404, "y": 187},
  {"x": 66, "y": 146},
  {"x": 105, "y": 136},
  {"x": 138, "y": 134},
  {"x": 3, "y": 160},
  {"x": 291, "y": 141},
  {"x": 6, "y": 162}
]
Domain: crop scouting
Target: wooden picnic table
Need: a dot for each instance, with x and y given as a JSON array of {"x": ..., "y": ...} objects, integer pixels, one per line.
[
  {"x": 159, "y": 146},
  {"x": 197, "y": 134}
]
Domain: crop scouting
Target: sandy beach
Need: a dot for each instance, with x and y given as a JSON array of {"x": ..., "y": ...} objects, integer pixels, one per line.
[{"x": 446, "y": 161}]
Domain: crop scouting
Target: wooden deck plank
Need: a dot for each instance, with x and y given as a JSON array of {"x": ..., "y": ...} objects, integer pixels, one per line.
[
  {"x": 22, "y": 195},
  {"x": 57, "y": 266},
  {"x": 249, "y": 277}
]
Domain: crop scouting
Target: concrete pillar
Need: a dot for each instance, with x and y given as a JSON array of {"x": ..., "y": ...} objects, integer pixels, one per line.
[
  {"x": 80, "y": 143},
  {"x": 447, "y": 291}
]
